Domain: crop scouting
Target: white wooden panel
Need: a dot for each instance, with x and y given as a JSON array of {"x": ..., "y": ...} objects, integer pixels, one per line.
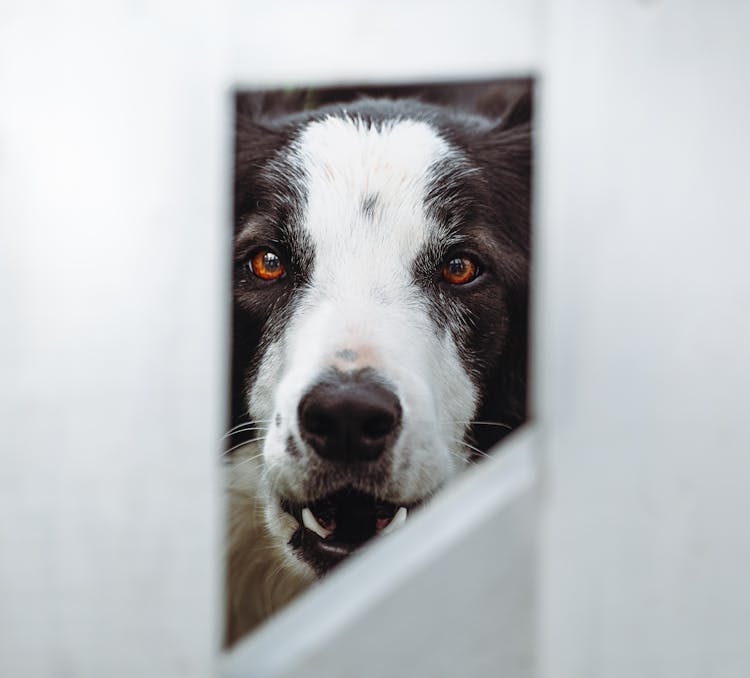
[
  {"x": 643, "y": 337},
  {"x": 452, "y": 593},
  {"x": 113, "y": 176},
  {"x": 339, "y": 41}
]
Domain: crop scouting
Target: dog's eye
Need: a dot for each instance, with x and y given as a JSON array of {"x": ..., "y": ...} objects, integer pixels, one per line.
[
  {"x": 266, "y": 265},
  {"x": 460, "y": 270}
]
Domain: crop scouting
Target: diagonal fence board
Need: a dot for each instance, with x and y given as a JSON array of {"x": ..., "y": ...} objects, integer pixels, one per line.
[{"x": 451, "y": 593}]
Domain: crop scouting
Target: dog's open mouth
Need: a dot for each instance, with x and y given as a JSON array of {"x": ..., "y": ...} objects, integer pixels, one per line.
[{"x": 334, "y": 526}]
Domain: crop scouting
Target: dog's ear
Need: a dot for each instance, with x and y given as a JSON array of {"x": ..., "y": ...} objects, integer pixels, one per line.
[
  {"x": 504, "y": 152},
  {"x": 256, "y": 141},
  {"x": 510, "y": 102},
  {"x": 519, "y": 111}
]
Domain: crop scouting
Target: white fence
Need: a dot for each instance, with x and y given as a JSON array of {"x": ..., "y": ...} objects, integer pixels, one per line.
[{"x": 608, "y": 540}]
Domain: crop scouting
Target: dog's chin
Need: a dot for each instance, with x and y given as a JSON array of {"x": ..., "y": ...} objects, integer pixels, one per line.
[{"x": 320, "y": 533}]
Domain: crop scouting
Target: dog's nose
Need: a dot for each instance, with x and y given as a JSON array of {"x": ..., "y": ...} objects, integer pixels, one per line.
[{"x": 349, "y": 418}]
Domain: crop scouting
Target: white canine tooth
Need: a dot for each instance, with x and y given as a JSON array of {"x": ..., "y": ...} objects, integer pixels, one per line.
[
  {"x": 312, "y": 524},
  {"x": 398, "y": 519}
]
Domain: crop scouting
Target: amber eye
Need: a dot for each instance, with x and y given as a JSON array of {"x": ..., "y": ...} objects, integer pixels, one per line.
[
  {"x": 460, "y": 270},
  {"x": 267, "y": 265}
]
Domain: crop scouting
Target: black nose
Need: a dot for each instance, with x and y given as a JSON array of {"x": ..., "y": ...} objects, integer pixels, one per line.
[{"x": 349, "y": 418}]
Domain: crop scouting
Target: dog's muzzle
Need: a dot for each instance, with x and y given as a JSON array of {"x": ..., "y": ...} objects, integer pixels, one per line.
[{"x": 350, "y": 421}]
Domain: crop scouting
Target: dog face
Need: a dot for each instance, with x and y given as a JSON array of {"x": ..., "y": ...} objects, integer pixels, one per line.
[{"x": 380, "y": 292}]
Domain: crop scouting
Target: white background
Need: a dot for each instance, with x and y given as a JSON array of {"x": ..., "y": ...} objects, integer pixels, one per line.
[{"x": 114, "y": 216}]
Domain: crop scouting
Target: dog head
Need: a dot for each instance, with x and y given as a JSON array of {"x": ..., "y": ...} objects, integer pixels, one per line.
[{"x": 381, "y": 264}]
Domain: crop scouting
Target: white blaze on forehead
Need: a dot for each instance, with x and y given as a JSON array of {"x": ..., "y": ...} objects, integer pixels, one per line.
[{"x": 366, "y": 185}]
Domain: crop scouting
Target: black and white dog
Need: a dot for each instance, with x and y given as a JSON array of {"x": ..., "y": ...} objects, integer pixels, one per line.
[{"x": 380, "y": 295}]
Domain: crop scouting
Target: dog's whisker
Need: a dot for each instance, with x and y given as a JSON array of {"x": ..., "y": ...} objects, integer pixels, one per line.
[
  {"x": 243, "y": 425},
  {"x": 242, "y": 444},
  {"x": 246, "y": 442},
  {"x": 467, "y": 422},
  {"x": 461, "y": 457},
  {"x": 471, "y": 447},
  {"x": 245, "y": 430},
  {"x": 483, "y": 423},
  {"x": 247, "y": 423},
  {"x": 249, "y": 459}
]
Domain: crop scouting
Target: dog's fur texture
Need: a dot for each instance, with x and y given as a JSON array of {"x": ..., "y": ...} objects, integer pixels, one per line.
[{"x": 364, "y": 203}]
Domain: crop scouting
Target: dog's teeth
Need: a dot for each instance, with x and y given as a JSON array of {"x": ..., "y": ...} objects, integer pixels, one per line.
[
  {"x": 312, "y": 524},
  {"x": 398, "y": 519}
]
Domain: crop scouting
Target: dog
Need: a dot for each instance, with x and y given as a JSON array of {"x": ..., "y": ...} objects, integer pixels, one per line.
[{"x": 381, "y": 263}]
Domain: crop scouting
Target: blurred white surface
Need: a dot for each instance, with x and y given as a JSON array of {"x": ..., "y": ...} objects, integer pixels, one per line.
[
  {"x": 114, "y": 132},
  {"x": 114, "y": 186},
  {"x": 643, "y": 339},
  {"x": 333, "y": 41}
]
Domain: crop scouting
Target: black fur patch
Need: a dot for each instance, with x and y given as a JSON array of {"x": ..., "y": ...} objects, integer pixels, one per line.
[{"x": 369, "y": 203}]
